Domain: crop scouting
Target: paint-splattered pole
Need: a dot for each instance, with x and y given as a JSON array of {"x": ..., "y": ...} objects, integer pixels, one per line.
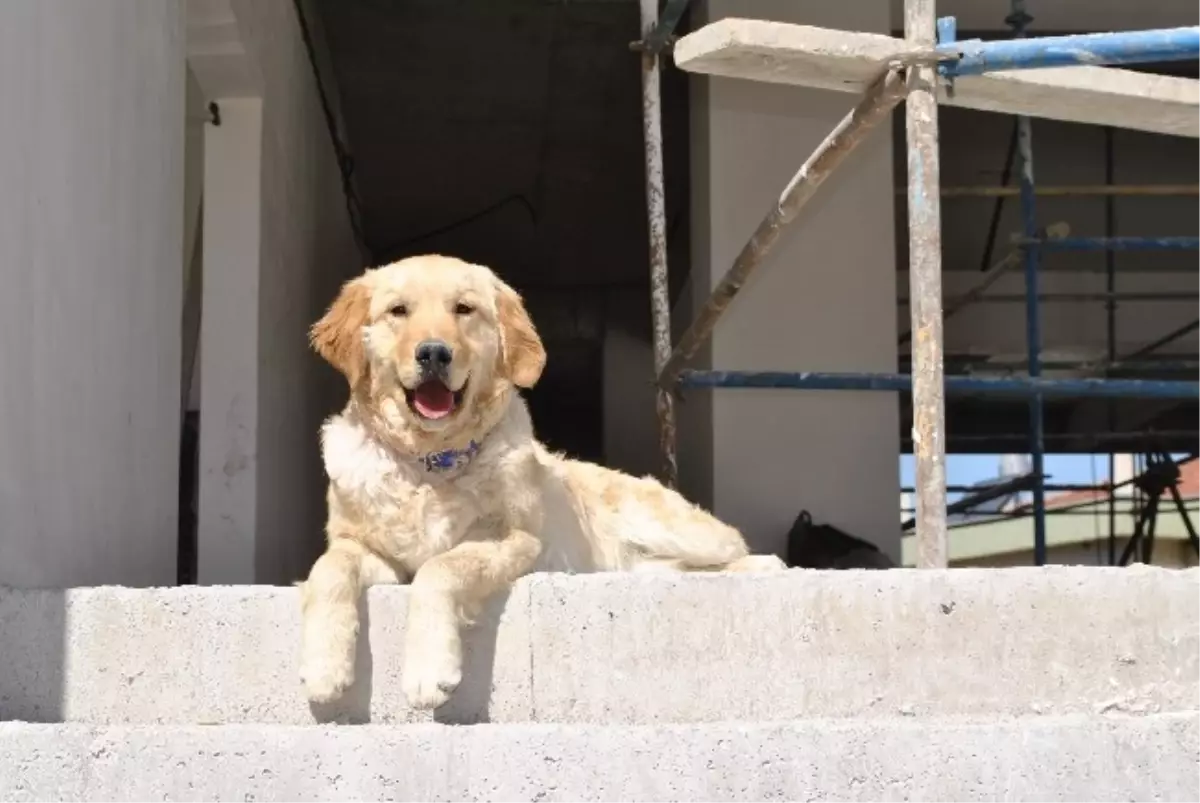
[{"x": 925, "y": 290}]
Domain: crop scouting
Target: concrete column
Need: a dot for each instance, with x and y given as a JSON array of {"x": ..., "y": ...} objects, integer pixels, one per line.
[
  {"x": 630, "y": 422},
  {"x": 229, "y": 345},
  {"x": 91, "y": 237},
  {"x": 825, "y": 301}
]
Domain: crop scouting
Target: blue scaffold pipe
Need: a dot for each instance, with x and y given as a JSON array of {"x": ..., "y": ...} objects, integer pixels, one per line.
[
  {"x": 1007, "y": 386},
  {"x": 1112, "y": 243},
  {"x": 976, "y": 56}
]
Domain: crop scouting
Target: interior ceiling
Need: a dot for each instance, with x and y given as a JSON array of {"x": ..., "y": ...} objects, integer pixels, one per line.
[{"x": 504, "y": 131}]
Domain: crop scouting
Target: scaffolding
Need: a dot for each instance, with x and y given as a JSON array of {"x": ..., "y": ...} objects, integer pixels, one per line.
[{"x": 931, "y": 59}]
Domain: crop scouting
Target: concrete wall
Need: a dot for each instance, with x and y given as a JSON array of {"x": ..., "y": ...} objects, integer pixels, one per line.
[
  {"x": 195, "y": 131},
  {"x": 824, "y": 301},
  {"x": 272, "y": 406},
  {"x": 229, "y": 359},
  {"x": 91, "y": 237}
]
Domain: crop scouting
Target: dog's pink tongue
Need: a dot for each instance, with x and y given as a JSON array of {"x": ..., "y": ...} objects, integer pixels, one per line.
[{"x": 433, "y": 400}]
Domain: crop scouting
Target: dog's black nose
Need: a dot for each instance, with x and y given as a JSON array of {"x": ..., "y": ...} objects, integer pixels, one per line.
[{"x": 434, "y": 355}]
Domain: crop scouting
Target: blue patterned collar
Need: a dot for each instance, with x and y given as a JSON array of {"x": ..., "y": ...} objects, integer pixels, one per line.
[{"x": 450, "y": 459}]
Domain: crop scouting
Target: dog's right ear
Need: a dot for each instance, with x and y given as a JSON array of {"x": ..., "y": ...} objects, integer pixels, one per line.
[
  {"x": 338, "y": 337},
  {"x": 522, "y": 353}
]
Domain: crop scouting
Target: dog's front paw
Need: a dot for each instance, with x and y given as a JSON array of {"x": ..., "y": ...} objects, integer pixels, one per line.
[
  {"x": 432, "y": 674},
  {"x": 325, "y": 677}
]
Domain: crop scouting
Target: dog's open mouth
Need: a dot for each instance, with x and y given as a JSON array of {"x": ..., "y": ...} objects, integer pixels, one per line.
[{"x": 433, "y": 401}]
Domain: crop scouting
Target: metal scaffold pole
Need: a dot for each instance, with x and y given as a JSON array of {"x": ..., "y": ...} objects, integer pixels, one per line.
[
  {"x": 1019, "y": 19},
  {"x": 653, "y": 39},
  {"x": 925, "y": 289}
]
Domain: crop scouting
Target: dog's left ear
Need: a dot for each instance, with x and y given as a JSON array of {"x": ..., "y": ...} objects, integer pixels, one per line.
[
  {"x": 338, "y": 336},
  {"x": 523, "y": 355}
]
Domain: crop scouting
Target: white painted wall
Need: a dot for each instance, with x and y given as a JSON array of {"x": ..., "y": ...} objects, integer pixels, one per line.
[
  {"x": 195, "y": 131},
  {"x": 91, "y": 237},
  {"x": 229, "y": 359},
  {"x": 824, "y": 301},
  {"x": 305, "y": 249}
]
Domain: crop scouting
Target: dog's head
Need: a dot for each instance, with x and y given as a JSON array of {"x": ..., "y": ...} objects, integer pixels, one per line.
[{"x": 432, "y": 343}]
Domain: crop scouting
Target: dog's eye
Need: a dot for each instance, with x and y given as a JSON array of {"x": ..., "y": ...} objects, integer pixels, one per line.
[
  {"x": 399, "y": 310},
  {"x": 463, "y": 309}
]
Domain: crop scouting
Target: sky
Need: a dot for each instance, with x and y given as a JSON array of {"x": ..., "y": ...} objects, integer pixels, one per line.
[{"x": 966, "y": 469}]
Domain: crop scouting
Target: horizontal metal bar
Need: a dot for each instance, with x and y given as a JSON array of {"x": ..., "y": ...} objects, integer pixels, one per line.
[
  {"x": 876, "y": 103},
  {"x": 1091, "y": 511},
  {"x": 966, "y": 366},
  {"x": 1111, "y": 243},
  {"x": 1082, "y": 190},
  {"x": 1050, "y": 486},
  {"x": 1061, "y": 298},
  {"x": 1032, "y": 510},
  {"x": 1008, "y": 386},
  {"x": 977, "y": 57},
  {"x": 984, "y": 494},
  {"x": 1096, "y": 438}
]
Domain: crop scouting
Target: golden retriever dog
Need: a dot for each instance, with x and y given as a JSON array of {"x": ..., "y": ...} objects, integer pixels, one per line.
[{"x": 436, "y": 479}]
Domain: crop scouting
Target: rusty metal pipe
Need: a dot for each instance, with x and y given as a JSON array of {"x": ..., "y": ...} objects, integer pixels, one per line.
[
  {"x": 925, "y": 290},
  {"x": 656, "y": 210}
]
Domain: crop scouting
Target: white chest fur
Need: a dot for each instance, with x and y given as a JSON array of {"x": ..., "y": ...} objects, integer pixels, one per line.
[{"x": 409, "y": 512}]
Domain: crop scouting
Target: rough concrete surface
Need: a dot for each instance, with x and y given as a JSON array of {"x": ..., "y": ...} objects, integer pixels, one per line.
[
  {"x": 215, "y": 655},
  {"x": 845, "y": 61},
  {"x": 625, "y": 649},
  {"x": 1073, "y": 758}
]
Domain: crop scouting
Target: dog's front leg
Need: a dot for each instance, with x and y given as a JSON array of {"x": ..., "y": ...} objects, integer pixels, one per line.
[
  {"x": 329, "y": 606},
  {"x": 448, "y": 591}
]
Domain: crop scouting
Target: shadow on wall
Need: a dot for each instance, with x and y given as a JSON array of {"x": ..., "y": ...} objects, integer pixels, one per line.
[{"x": 33, "y": 637}]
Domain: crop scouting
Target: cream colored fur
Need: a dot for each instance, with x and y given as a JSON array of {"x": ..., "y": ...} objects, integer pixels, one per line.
[{"x": 460, "y": 535}]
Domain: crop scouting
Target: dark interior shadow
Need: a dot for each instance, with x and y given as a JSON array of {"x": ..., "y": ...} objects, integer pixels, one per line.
[
  {"x": 354, "y": 707},
  {"x": 471, "y": 702},
  {"x": 32, "y": 654}
]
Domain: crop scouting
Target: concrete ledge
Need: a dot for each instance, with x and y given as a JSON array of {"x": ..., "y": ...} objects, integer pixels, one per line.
[
  {"x": 623, "y": 649},
  {"x": 1072, "y": 758},
  {"x": 844, "y": 61}
]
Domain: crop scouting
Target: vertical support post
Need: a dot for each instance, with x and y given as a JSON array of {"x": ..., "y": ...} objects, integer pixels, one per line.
[
  {"x": 925, "y": 290},
  {"x": 1110, "y": 285},
  {"x": 660, "y": 298},
  {"x": 1018, "y": 19}
]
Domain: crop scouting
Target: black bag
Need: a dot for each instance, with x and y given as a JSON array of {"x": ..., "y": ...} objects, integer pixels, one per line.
[{"x": 822, "y": 546}]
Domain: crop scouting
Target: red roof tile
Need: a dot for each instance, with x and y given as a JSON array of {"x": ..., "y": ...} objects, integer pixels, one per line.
[{"x": 1189, "y": 488}]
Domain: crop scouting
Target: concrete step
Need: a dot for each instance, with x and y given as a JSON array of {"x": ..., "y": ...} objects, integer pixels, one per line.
[
  {"x": 1091, "y": 758},
  {"x": 634, "y": 649}
]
